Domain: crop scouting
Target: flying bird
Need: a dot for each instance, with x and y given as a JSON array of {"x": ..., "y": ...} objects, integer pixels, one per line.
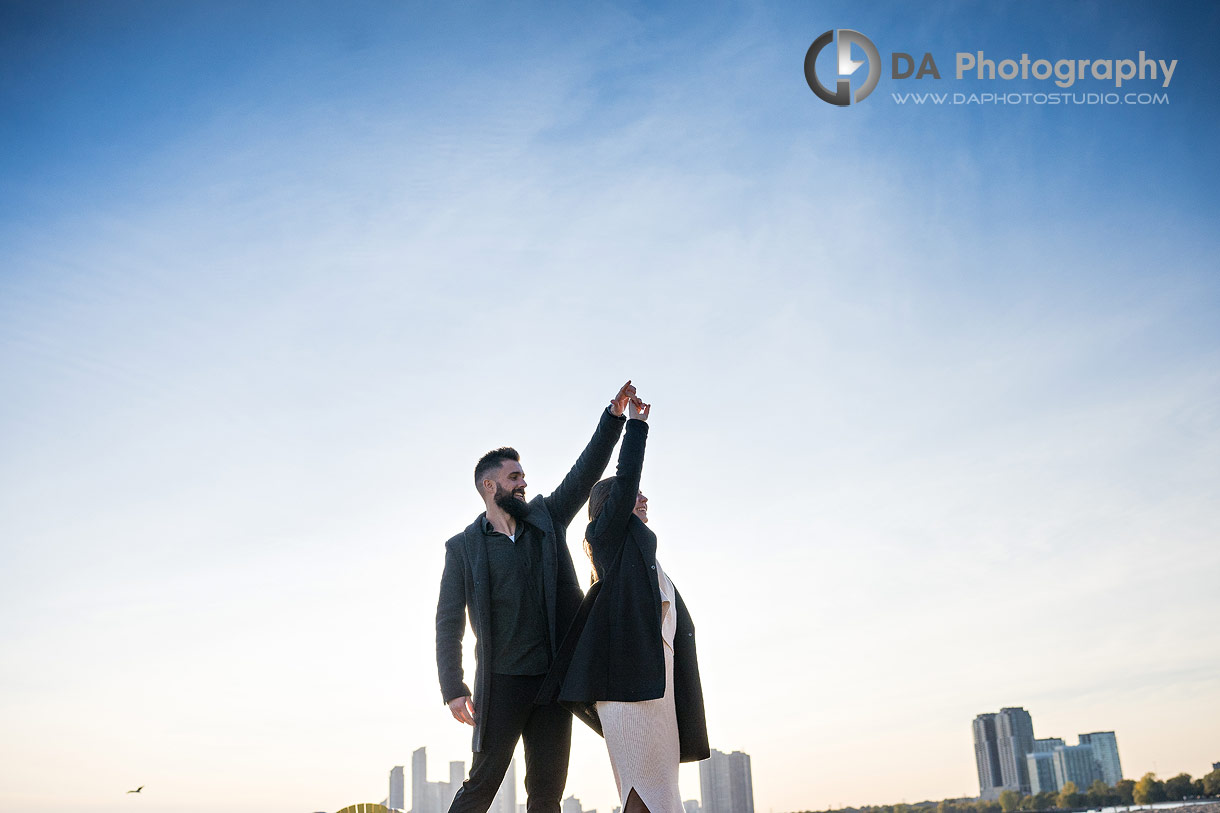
[{"x": 137, "y": 790}]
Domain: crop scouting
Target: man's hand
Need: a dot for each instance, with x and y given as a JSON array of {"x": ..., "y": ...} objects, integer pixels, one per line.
[
  {"x": 637, "y": 409},
  {"x": 462, "y": 710},
  {"x": 620, "y": 401}
]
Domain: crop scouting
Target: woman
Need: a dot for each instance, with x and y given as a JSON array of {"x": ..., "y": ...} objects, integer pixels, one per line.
[{"x": 627, "y": 666}]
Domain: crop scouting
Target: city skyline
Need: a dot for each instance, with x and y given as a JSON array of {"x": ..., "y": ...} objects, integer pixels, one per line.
[
  {"x": 436, "y": 796},
  {"x": 1009, "y": 758},
  {"x": 726, "y": 777},
  {"x": 934, "y": 387}
]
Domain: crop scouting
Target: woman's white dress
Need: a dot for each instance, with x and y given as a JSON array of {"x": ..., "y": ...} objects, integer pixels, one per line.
[{"x": 642, "y": 737}]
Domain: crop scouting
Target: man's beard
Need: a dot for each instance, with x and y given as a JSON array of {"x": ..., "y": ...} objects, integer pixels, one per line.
[{"x": 515, "y": 508}]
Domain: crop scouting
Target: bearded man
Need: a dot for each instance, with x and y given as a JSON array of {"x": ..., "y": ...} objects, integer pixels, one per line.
[{"x": 512, "y": 571}]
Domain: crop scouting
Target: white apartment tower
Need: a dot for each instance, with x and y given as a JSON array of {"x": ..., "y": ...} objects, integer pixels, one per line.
[{"x": 726, "y": 783}]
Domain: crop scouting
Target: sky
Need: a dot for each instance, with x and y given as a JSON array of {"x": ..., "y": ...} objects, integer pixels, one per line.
[{"x": 935, "y": 386}]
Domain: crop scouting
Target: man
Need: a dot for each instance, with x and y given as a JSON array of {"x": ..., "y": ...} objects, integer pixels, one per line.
[{"x": 512, "y": 571}]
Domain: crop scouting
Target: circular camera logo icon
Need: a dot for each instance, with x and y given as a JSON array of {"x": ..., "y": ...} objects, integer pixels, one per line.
[{"x": 846, "y": 66}]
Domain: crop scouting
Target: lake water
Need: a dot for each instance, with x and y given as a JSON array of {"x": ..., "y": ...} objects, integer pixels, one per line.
[{"x": 1157, "y": 806}]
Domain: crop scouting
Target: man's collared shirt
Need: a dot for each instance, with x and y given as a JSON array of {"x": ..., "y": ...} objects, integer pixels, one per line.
[{"x": 520, "y": 641}]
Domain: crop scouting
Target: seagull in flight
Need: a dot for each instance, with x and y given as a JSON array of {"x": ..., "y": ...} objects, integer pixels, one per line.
[{"x": 137, "y": 790}]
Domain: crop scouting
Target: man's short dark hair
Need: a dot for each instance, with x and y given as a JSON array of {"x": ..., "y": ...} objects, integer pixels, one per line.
[{"x": 491, "y": 462}]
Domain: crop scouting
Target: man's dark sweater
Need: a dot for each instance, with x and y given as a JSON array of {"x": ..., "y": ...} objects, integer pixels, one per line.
[{"x": 519, "y": 641}]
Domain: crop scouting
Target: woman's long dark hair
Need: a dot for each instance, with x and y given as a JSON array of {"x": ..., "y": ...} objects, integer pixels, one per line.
[{"x": 597, "y": 501}]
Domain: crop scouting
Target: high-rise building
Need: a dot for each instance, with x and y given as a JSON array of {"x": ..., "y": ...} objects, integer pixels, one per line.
[
  {"x": 1014, "y": 733},
  {"x": 741, "y": 782},
  {"x": 726, "y": 783},
  {"x": 1046, "y": 746},
  {"x": 506, "y": 796},
  {"x": 1105, "y": 755},
  {"x": 1001, "y": 743},
  {"x": 420, "y": 803},
  {"x": 691, "y": 806},
  {"x": 457, "y": 772},
  {"x": 1074, "y": 763},
  {"x": 714, "y": 783},
  {"x": 397, "y": 798},
  {"x": 987, "y": 757},
  {"x": 1041, "y": 767},
  {"x": 571, "y": 805}
]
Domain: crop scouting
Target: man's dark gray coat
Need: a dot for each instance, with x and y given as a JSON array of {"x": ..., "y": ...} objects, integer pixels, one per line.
[{"x": 466, "y": 585}]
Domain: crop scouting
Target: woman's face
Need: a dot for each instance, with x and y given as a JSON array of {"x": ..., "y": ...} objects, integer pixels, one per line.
[{"x": 641, "y": 506}]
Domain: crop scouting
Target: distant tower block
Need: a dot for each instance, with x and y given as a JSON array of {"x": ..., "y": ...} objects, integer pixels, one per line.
[
  {"x": 726, "y": 783},
  {"x": 506, "y": 796},
  {"x": 397, "y": 800},
  {"x": 1047, "y": 746},
  {"x": 1074, "y": 763},
  {"x": 420, "y": 803},
  {"x": 986, "y": 757},
  {"x": 1105, "y": 755},
  {"x": 1014, "y": 734},
  {"x": 1041, "y": 766}
]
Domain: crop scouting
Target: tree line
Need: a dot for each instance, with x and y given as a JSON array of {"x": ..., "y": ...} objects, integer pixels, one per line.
[{"x": 1148, "y": 790}]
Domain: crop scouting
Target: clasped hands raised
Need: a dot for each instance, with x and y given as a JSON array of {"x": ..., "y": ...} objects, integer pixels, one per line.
[{"x": 626, "y": 399}]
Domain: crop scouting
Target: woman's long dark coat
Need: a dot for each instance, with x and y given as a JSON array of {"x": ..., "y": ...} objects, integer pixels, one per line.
[{"x": 614, "y": 649}]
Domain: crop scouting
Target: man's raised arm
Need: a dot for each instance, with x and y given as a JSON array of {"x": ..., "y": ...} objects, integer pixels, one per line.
[{"x": 573, "y": 492}]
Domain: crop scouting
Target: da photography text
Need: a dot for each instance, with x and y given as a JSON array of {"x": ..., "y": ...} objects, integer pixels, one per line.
[{"x": 844, "y": 74}]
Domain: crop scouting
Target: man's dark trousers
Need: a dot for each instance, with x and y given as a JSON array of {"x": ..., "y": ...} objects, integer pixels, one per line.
[{"x": 513, "y": 715}]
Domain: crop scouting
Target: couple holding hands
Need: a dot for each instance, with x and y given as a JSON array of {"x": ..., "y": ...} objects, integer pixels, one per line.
[{"x": 621, "y": 657}]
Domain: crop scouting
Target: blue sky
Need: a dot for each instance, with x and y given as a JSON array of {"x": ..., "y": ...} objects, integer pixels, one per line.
[
  {"x": 935, "y": 387},
  {"x": 98, "y": 88}
]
